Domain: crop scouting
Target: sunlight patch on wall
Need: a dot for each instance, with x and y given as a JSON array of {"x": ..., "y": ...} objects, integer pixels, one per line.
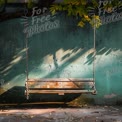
[
  {"x": 70, "y": 63},
  {"x": 16, "y": 59},
  {"x": 19, "y": 80},
  {"x": 12, "y": 63}
]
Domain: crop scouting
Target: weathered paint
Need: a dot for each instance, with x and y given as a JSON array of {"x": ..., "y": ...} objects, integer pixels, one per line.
[{"x": 65, "y": 51}]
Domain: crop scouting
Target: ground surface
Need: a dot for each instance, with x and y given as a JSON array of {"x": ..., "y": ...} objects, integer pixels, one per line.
[{"x": 63, "y": 114}]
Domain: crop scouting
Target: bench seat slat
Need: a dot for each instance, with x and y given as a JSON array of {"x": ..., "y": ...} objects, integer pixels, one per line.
[
  {"x": 60, "y": 91},
  {"x": 56, "y": 89},
  {"x": 61, "y": 80}
]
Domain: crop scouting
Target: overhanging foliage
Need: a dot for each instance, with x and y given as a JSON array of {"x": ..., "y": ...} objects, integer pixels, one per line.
[{"x": 86, "y": 10}]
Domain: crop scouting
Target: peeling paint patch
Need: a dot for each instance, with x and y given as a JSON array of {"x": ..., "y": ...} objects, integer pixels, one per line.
[{"x": 109, "y": 96}]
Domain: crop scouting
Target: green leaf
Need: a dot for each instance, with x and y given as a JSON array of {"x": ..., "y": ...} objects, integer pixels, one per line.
[
  {"x": 95, "y": 3},
  {"x": 81, "y": 24},
  {"x": 64, "y": 8},
  {"x": 70, "y": 10},
  {"x": 95, "y": 21},
  {"x": 73, "y": 2},
  {"x": 30, "y": 4},
  {"x": 83, "y": 2},
  {"x": 53, "y": 12},
  {"x": 87, "y": 18}
]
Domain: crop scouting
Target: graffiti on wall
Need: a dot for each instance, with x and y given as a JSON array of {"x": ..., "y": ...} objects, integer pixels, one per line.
[
  {"x": 112, "y": 14},
  {"x": 39, "y": 23}
]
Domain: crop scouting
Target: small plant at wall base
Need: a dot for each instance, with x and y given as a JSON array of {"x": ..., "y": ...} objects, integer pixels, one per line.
[{"x": 86, "y": 10}]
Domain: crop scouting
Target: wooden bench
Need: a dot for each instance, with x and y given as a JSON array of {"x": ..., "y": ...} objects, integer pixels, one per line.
[{"x": 60, "y": 86}]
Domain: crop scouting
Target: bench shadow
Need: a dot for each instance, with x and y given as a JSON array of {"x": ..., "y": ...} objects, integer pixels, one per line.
[{"x": 16, "y": 95}]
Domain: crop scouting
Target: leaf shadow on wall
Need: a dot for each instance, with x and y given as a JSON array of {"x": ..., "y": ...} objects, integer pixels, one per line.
[{"x": 68, "y": 37}]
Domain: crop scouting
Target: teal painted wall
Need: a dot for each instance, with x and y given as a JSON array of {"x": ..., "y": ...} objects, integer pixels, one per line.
[{"x": 61, "y": 50}]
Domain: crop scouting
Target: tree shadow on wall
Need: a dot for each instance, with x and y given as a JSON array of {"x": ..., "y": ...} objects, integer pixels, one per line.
[{"x": 69, "y": 38}]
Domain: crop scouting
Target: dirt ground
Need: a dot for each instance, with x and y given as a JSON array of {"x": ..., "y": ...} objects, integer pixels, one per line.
[{"x": 62, "y": 114}]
